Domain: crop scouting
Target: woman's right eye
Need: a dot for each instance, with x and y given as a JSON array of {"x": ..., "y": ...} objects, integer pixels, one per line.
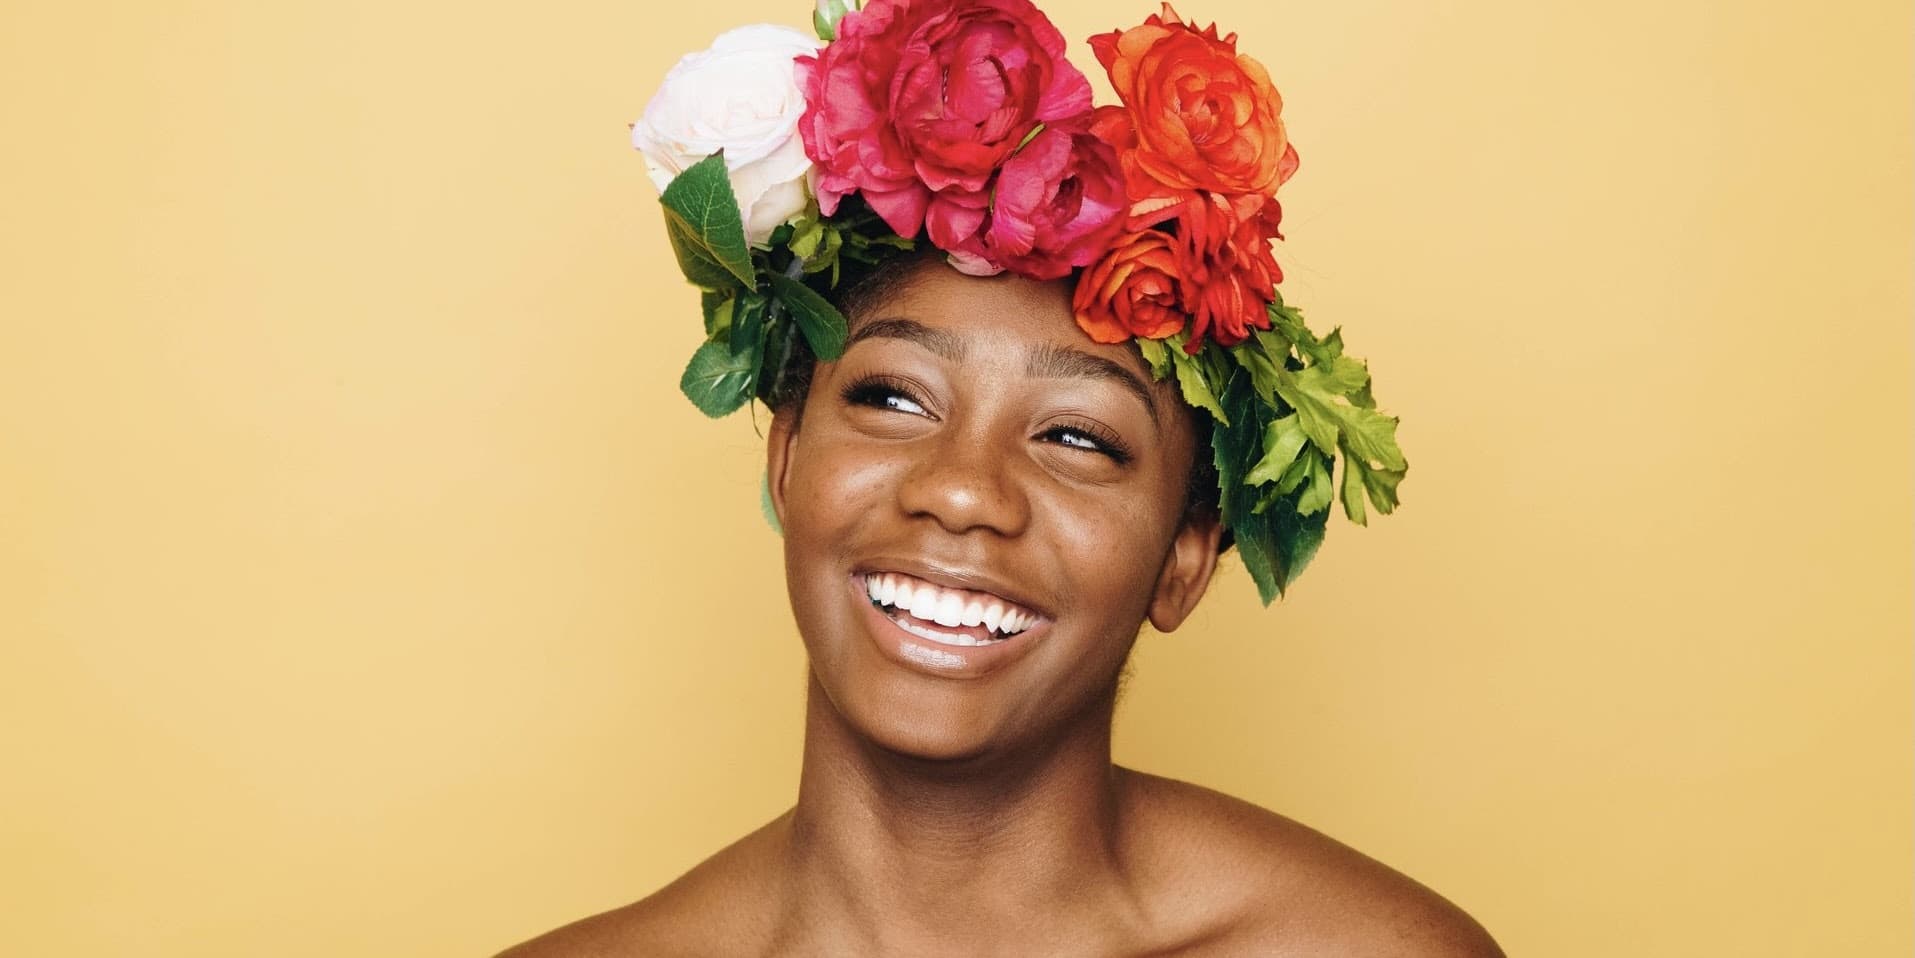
[{"x": 883, "y": 396}]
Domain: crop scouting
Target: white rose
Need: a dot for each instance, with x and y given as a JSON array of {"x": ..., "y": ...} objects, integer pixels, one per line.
[{"x": 740, "y": 96}]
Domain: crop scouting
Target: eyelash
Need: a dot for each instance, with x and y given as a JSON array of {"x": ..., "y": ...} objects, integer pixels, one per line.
[
  {"x": 874, "y": 391},
  {"x": 877, "y": 392}
]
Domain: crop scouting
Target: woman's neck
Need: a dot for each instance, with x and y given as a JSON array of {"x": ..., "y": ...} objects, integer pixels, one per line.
[{"x": 888, "y": 853}]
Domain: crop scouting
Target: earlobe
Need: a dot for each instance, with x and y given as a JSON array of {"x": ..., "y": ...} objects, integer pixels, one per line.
[{"x": 1186, "y": 573}]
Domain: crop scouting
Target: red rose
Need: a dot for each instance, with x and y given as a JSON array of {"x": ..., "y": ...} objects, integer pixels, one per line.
[
  {"x": 1058, "y": 203},
  {"x": 1230, "y": 273},
  {"x": 1210, "y": 270},
  {"x": 917, "y": 97}
]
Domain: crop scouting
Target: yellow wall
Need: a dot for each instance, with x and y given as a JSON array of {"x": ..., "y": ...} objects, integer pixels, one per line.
[{"x": 367, "y": 588}]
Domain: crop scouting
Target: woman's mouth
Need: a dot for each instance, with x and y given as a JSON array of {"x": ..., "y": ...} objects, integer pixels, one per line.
[{"x": 944, "y": 615}]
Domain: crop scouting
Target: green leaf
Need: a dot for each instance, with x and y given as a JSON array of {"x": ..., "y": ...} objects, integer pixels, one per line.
[
  {"x": 1297, "y": 540},
  {"x": 1288, "y": 327},
  {"x": 1353, "y": 491},
  {"x": 1294, "y": 475},
  {"x": 1197, "y": 392},
  {"x": 718, "y": 307},
  {"x": 824, "y": 327},
  {"x": 1283, "y": 439},
  {"x": 1315, "y": 495},
  {"x": 1316, "y": 394},
  {"x": 1262, "y": 368},
  {"x": 716, "y": 381},
  {"x": 826, "y": 256},
  {"x": 1235, "y": 445},
  {"x": 748, "y": 324},
  {"x": 806, "y": 237},
  {"x": 777, "y": 348},
  {"x": 1280, "y": 544},
  {"x": 1257, "y": 547},
  {"x": 1378, "y": 485},
  {"x": 1156, "y": 355},
  {"x": 707, "y": 233}
]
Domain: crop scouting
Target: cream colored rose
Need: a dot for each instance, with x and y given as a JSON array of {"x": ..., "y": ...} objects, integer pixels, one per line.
[{"x": 740, "y": 96}]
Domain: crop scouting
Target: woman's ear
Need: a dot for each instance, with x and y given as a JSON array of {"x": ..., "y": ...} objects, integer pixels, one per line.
[
  {"x": 778, "y": 448},
  {"x": 1187, "y": 570}
]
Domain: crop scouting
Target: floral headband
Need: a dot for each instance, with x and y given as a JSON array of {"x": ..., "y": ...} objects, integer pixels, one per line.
[{"x": 782, "y": 162}]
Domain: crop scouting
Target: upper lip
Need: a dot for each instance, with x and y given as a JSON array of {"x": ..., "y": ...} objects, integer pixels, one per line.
[{"x": 950, "y": 577}]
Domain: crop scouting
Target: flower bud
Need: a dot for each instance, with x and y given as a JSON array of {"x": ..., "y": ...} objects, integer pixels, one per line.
[{"x": 825, "y": 17}]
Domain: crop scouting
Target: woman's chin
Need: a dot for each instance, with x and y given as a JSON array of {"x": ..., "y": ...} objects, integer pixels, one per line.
[{"x": 931, "y": 727}]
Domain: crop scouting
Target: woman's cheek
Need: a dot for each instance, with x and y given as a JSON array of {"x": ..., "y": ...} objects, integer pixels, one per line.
[{"x": 842, "y": 479}]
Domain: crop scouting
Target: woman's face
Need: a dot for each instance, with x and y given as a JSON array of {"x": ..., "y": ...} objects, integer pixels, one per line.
[{"x": 981, "y": 506}]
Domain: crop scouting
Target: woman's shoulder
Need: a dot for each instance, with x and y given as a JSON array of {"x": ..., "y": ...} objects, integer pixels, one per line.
[
  {"x": 678, "y": 919},
  {"x": 1221, "y": 876},
  {"x": 1260, "y": 883}
]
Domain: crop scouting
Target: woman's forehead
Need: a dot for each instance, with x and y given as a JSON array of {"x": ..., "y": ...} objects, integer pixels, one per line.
[{"x": 995, "y": 313}]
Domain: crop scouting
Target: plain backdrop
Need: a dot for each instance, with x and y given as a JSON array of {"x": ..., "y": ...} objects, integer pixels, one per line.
[{"x": 367, "y": 588}]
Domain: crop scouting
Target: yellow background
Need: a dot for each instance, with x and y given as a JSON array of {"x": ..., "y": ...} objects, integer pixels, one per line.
[{"x": 367, "y": 588}]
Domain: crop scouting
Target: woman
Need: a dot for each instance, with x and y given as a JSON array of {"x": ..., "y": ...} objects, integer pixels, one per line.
[{"x": 982, "y": 505}]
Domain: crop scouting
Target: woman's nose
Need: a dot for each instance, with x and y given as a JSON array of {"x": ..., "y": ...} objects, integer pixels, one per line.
[{"x": 966, "y": 483}]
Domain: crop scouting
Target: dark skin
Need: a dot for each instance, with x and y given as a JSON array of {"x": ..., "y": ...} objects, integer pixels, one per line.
[{"x": 960, "y": 804}]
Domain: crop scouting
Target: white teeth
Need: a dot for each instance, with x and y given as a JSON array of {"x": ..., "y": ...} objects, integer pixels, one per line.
[
  {"x": 943, "y": 638},
  {"x": 974, "y": 613},
  {"x": 949, "y": 608},
  {"x": 924, "y": 602}
]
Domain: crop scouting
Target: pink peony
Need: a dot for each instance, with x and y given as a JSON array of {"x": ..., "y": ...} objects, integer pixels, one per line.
[
  {"x": 1059, "y": 202},
  {"x": 918, "y": 97}
]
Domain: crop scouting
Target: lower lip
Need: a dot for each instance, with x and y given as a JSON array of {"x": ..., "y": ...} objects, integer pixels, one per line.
[{"x": 935, "y": 658}]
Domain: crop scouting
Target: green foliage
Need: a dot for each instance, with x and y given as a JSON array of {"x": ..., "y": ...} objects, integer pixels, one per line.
[
  {"x": 1287, "y": 405},
  {"x": 824, "y": 327},
  {"x": 1156, "y": 355},
  {"x": 1283, "y": 440},
  {"x": 756, "y": 302},
  {"x": 1196, "y": 386},
  {"x": 707, "y": 233},
  {"x": 718, "y": 381},
  {"x": 718, "y": 306},
  {"x": 747, "y": 333}
]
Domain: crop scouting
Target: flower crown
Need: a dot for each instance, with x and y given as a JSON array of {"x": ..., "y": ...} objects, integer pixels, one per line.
[{"x": 783, "y": 162}]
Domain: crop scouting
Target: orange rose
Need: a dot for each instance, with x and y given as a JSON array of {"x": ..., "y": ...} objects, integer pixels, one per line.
[
  {"x": 1203, "y": 117},
  {"x": 1134, "y": 290}
]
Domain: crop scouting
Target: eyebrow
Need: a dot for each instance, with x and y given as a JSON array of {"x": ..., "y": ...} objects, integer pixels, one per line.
[
  {"x": 1046, "y": 361},
  {"x": 1051, "y": 361},
  {"x": 946, "y": 345}
]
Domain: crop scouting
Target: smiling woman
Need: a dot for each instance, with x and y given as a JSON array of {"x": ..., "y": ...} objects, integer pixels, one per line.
[
  {"x": 981, "y": 509},
  {"x": 1029, "y": 377}
]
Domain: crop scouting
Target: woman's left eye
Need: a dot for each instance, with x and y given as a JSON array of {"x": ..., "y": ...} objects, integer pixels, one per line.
[{"x": 1083, "y": 439}]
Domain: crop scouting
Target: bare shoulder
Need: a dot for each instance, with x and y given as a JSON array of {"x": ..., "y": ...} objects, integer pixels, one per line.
[
  {"x": 677, "y": 920},
  {"x": 1273, "y": 886}
]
